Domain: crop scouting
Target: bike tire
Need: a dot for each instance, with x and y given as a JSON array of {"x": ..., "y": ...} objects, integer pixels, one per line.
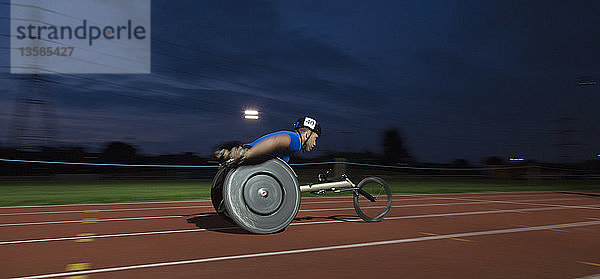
[{"x": 373, "y": 211}]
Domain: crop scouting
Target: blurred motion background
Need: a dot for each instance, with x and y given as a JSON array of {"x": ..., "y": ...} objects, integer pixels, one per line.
[{"x": 433, "y": 88}]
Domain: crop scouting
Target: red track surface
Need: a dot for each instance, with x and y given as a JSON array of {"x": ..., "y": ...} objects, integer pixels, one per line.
[{"x": 493, "y": 235}]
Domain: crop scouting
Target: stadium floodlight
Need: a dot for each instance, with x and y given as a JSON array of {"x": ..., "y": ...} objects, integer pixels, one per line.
[
  {"x": 251, "y": 114},
  {"x": 516, "y": 159}
]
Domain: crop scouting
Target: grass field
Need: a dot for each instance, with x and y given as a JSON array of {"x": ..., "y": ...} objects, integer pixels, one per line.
[{"x": 55, "y": 192}]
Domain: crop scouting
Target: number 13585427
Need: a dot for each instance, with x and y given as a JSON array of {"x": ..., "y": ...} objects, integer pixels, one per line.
[{"x": 46, "y": 51}]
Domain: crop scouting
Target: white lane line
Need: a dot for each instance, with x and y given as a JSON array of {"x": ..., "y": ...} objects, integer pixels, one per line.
[
  {"x": 210, "y": 206},
  {"x": 292, "y": 224},
  {"x": 429, "y": 204},
  {"x": 136, "y": 203},
  {"x": 394, "y": 206},
  {"x": 186, "y": 201},
  {"x": 302, "y": 210},
  {"x": 486, "y": 194},
  {"x": 99, "y": 204},
  {"x": 349, "y": 199},
  {"x": 316, "y": 249},
  {"x": 593, "y": 206},
  {"x": 475, "y": 213},
  {"x": 424, "y": 199},
  {"x": 99, "y": 236},
  {"x": 482, "y": 193},
  {"x": 160, "y": 208},
  {"x": 95, "y": 220},
  {"x": 144, "y": 208},
  {"x": 103, "y": 210},
  {"x": 444, "y": 215},
  {"x": 436, "y": 196}
]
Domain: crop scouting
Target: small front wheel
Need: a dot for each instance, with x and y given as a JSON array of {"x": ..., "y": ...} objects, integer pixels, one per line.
[{"x": 372, "y": 199}]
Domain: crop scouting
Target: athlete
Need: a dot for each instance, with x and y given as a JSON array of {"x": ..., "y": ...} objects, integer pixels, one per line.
[{"x": 281, "y": 143}]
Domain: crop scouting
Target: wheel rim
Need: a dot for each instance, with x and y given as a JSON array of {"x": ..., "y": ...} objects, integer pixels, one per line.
[
  {"x": 263, "y": 194},
  {"x": 373, "y": 211}
]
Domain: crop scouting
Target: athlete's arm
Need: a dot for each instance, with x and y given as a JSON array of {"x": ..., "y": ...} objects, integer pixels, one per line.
[{"x": 268, "y": 146}]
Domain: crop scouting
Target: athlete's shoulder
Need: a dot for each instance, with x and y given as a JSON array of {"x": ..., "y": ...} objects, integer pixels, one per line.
[
  {"x": 295, "y": 143},
  {"x": 284, "y": 132},
  {"x": 293, "y": 136}
]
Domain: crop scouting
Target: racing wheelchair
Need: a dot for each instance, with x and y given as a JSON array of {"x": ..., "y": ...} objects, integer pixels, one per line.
[{"x": 262, "y": 195}]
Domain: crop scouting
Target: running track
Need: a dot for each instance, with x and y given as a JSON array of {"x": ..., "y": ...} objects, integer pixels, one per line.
[{"x": 483, "y": 235}]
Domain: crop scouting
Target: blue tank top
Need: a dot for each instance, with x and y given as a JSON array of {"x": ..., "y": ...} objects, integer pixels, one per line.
[{"x": 295, "y": 144}]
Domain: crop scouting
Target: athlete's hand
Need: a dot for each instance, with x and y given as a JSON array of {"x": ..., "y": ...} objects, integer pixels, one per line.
[
  {"x": 222, "y": 154},
  {"x": 237, "y": 153}
]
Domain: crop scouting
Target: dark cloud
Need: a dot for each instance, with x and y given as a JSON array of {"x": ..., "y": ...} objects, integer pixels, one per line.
[{"x": 460, "y": 79}]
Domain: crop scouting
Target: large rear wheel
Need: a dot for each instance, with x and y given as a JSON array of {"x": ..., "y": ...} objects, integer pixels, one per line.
[{"x": 262, "y": 197}]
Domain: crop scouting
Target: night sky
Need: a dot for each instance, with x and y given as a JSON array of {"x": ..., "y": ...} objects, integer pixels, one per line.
[{"x": 459, "y": 79}]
